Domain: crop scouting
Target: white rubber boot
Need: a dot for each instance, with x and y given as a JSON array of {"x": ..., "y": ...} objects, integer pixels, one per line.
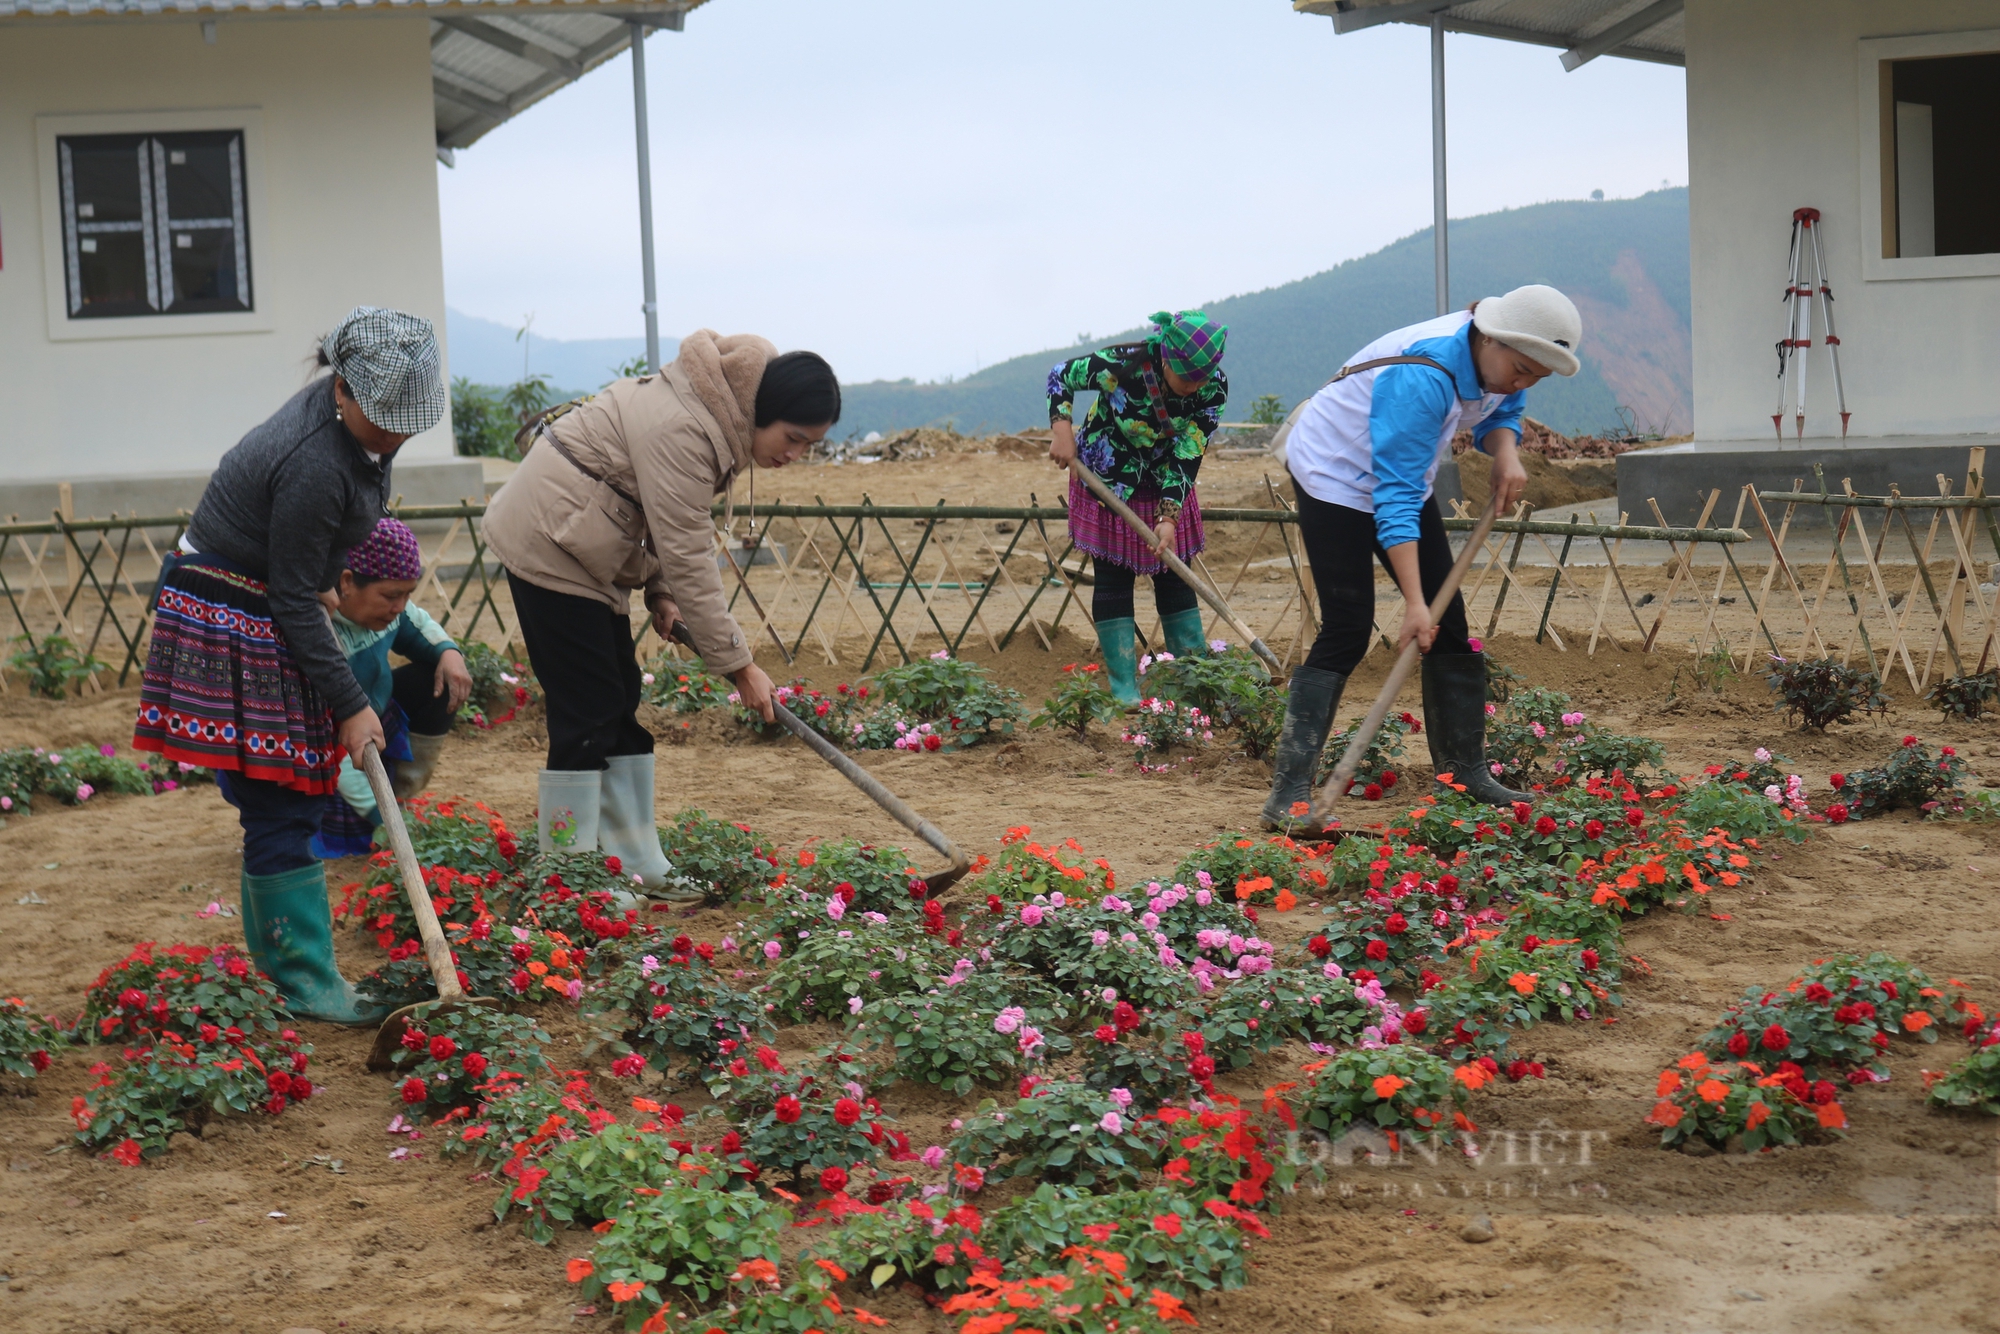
[
  {"x": 567, "y": 810},
  {"x": 627, "y": 828}
]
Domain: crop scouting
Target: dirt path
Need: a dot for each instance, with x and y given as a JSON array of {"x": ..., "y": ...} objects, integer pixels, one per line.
[{"x": 1893, "y": 1228}]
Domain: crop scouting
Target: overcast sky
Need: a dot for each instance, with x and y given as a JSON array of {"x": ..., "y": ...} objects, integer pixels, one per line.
[{"x": 920, "y": 189}]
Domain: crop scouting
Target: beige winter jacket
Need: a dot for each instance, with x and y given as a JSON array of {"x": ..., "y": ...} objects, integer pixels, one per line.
[{"x": 671, "y": 441}]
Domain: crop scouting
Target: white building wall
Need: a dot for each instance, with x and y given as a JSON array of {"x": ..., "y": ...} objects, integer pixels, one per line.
[
  {"x": 349, "y": 217},
  {"x": 1775, "y": 116}
]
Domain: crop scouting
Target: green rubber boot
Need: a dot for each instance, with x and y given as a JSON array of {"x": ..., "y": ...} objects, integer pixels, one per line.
[
  {"x": 1120, "y": 641},
  {"x": 289, "y": 931},
  {"x": 1182, "y": 630}
]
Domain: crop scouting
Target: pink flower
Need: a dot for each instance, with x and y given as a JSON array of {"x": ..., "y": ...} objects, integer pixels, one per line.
[
  {"x": 772, "y": 949},
  {"x": 933, "y": 1157},
  {"x": 107, "y": 750},
  {"x": 84, "y": 791},
  {"x": 1111, "y": 1122},
  {"x": 1123, "y": 1097},
  {"x": 1009, "y": 1020},
  {"x": 1031, "y": 914},
  {"x": 836, "y": 907}
]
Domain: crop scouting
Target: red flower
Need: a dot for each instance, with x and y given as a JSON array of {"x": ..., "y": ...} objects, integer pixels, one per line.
[
  {"x": 994, "y": 906},
  {"x": 1106, "y": 1033},
  {"x": 833, "y": 1180},
  {"x": 475, "y": 1065},
  {"x": 1373, "y": 792},
  {"x": 209, "y": 1032},
  {"x": 1818, "y": 994},
  {"x": 768, "y": 1058},
  {"x": 1389, "y": 779},
  {"x": 1837, "y": 781},
  {"x": 39, "y": 1060},
  {"x": 443, "y": 1048},
  {"x": 237, "y": 966},
  {"x": 1517, "y": 1071},
  {"x": 1593, "y": 829},
  {"x": 1378, "y": 950},
  {"x": 1167, "y": 1223},
  {"x": 275, "y": 1105},
  {"x": 1447, "y": 884},
  {"x": 1739, "y": 1044},
  {"x": 1776, "y": 1038},
  {"x": 731, "y": 1142},
  {"x": 1589, "y": 957},
  {"x": 1522, "y": 810},
  {"x": 613, "y": 865},
  {"x": 1635, "y": 817},
  {"x": 628, "y": 1067},
  {"x": 1836, "y": 814},
  {"x": 1319, "y": 947},
  {"x": 788, "y": 1109},
  {"x": 1531, "y": 943},
  {"x": 1415, "y": 1021},
  {"x": 413, "y": 1090},
  {"x": 1545, "y": 826},
  {"x": 1397, "y": 924},
  {"x": 127, "y": 1153},
  {"x": 846, "y": 1112},
  {"x": 1909, "y": 741},
  {"x": 1124, "y": 1016}
]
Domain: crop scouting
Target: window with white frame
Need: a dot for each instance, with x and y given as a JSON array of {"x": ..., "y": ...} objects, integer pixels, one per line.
[
  {"x": 154, "y": 224},
  {"x": 1942, "y": 124}
]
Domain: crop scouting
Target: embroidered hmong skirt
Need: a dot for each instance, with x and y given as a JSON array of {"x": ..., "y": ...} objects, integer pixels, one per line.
[
  {"x": 221, "y": 690},
  {"x": 1094, "y": 528}
]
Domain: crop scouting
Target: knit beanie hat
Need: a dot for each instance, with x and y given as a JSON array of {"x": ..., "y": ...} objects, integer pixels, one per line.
[
  {"x": 1538, "y": 322},
  {"x": 390, "y": 552}
]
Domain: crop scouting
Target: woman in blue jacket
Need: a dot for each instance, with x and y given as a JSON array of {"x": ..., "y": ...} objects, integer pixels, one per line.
[{"x": 1363, "y": 455}]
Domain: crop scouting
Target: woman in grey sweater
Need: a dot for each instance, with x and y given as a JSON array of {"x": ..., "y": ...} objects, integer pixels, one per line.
[{"x": 244, "y": 675}]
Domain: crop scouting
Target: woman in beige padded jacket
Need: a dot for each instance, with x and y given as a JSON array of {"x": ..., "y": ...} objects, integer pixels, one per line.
[{"x": 614, "y": 496}]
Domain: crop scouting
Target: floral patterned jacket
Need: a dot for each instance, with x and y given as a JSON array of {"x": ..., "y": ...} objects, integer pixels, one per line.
[{"x": 1139, "y": 434}]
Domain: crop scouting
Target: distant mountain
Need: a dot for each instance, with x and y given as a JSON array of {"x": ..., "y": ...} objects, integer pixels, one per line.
[
  {"x": 1624, "y": 262},
  {"x": 486, "y": 352}
]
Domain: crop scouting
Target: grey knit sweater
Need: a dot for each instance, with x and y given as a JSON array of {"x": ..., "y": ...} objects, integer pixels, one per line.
[{"x": 286, "y": 504}]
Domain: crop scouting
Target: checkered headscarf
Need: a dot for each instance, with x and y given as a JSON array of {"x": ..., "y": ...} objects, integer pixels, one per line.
[
  {"x": 390, "y": 552},
  {"x": 1188, "y": 342},
  {"x": 391, "y": 365}
]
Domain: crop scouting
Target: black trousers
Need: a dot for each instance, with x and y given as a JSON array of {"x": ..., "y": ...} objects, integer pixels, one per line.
[
  {"x": 1112, "y": 597},
  {"x": 1342, "y": 549},
  {"x": 428, "y": 714},
  {"x": 582, "y": 653}
]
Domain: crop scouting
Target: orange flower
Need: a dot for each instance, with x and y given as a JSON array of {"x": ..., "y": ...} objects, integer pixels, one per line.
[
  {"x": 987, "y": 1324},
  {"x": 1248, "y": 886},
  {"x": 1712, "y": 1090},
  {"x": 1916, "y": 1020},
  {"x": 624, "y": 1292},
  {"x": 1694, "y": 1060},
  {"x": 1758, "y": 1115},
  {"x": 758, "y": 1270},
  {"x": 1472, "y": 1075},
  {"x": 867, "y": 1317},
  {"x": 1664, "y": 1113},
  {"x": 807, "y": 857},
  {"x": 1287, "y": 901},
  {"x": 656, "y": 1323},
  {"x": 1831, "y": 1117},
  {"x": 1669, "y": 1081},
  {"x": 1524, "y": 983},
  {"x": 839, "y": 1274},
  {"x": 1464, "y": 1122},
  {"x": 559, "y": 958},
  {"x": 1386, "y": 1086},
  {"x": 579, "y": 1270},
  {"x": 537, "y": 967},
  {"x": 1169, "y": 1307}
]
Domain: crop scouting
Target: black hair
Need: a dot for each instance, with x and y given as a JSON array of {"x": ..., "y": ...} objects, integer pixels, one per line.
[{"x": 800, "y": 388}]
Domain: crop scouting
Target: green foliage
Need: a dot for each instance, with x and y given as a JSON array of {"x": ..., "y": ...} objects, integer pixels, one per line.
[
  {"x": 1965, "y": 696},
  {"x": 949, "y": 1036},
  {"x": 447, "y": 1053},
  {"x": 1820, "y": 691},
  {"x": 1974, "y": 1083},
  {"x": 1066, "y": 1132},
  {"x": 794, "y": 1122},
  {"x": 1267, "y": 410},
  {"x": 870, "y": 878},
  {"x": 727, "y": 860},
  {"x": 498, "y": 684},
  {"x": 1740, "y": 811},
  {"x": 1262, "y": 724},
  {"x": 853, "y": 957},
  {"x": 514, "y": 1110},
  {"x": 180, "y": 989},
  {"x": 1397, "y": 1088},
  {"x": 944, "y": 690},
  {"x": 827, "y": 714},
  {"x": 1717, "y": 1104},
  {"x": 183, "y": 1081},
  {"x": 683, "y": 685},
  {"x": 1224, "y": 686},
  {"x": 1540, "y": 736},
  {"x": 1083, "y": 698},
  {"x": 595, "y": 1177},
  {"x": 1159, "y": 726},
  {"x": 52, "y": 666},
  {"x": 1377, "y": 773},
  {"x": 1912, "y": 778},
  {"x": 677, "y": 1007},
  {"x": 1263, "y": 1011},
  {"x": 1171, "y": 1242},
  {"x": 481, "y": 425},
  {"x": 683, "y": 1244},
  {"x": 27, "y": 1044}
]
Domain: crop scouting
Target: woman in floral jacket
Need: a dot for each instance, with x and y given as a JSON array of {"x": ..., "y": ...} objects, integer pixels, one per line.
[{"x": 1158, "y": 401}]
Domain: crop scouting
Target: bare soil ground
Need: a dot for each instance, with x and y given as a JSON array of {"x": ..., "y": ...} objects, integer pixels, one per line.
[{"x": 252, "y": 1229}]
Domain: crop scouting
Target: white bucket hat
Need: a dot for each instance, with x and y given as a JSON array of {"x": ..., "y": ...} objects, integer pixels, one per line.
[
  {"x": 1536, "y": 321},
  {"x": 391, "y": 364}
]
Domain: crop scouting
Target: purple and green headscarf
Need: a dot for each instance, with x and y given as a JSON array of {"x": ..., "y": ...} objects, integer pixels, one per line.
[{"x": 1189, "y": 343}]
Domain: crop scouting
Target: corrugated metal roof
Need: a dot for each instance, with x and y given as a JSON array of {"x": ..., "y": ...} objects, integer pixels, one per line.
[
  {"x": 490, "y": 59},
  {"x": 1583, "y": 29}
]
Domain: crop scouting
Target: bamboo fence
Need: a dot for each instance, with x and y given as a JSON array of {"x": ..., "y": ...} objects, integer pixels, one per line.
[{"x": 862, "y": 585}]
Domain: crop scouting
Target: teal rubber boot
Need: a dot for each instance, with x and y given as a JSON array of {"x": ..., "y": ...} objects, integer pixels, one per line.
[
  {"x": 1120, "y": 641},
  {"x": 289, "y": 931},
  {"x": 1182, "y": 631}
]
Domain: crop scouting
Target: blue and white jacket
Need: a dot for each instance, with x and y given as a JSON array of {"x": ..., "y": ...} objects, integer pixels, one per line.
[{"x": 1373, "y": 442}]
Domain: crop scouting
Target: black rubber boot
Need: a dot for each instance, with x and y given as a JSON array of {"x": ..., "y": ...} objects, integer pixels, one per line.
[
  {"x": 1308, "y": 718},
  {"x": 1455, "y": 717}
]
